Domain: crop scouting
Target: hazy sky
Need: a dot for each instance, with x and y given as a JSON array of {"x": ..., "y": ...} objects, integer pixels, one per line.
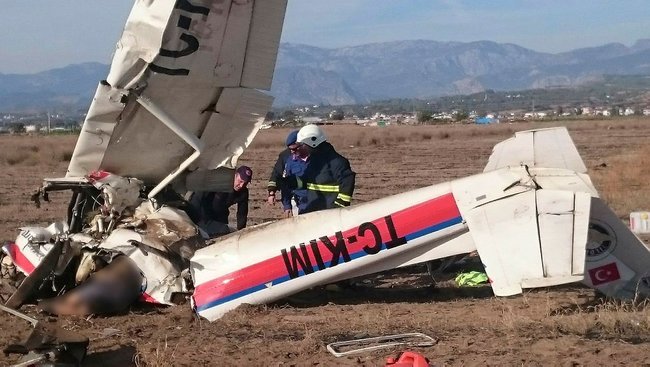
[{"x": 42, "y": 34}]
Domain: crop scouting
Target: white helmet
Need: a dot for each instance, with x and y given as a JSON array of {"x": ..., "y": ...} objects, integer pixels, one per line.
[{"x": 311, "y": 135}]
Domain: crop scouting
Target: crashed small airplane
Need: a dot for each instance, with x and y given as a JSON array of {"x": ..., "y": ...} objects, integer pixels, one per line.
[{"x": 180, "y": 105}]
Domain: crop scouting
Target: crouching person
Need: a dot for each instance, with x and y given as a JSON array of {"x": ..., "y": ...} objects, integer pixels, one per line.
[{"x": 210, "y": 210}]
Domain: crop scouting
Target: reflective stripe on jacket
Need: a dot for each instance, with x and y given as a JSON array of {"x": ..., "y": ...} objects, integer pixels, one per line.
[{"x": 329, "y": 180}]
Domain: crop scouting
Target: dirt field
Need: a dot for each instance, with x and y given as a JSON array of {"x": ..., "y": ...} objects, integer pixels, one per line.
[{"x": 567, "y": 326}]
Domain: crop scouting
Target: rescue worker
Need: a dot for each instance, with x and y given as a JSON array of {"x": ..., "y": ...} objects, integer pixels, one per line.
[
  {"x": 211, "y": 209},
  {"x": 328, "y": 179},
  {"x": 278, "y": 169},
  {"x": 288, "y": 164}
]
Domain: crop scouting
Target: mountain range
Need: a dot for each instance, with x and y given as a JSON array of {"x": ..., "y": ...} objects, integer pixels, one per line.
[{"x": 359, "y": 74}]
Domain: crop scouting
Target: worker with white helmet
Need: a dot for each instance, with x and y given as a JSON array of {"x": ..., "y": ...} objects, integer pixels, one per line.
[{"x": 328, "y": 178}]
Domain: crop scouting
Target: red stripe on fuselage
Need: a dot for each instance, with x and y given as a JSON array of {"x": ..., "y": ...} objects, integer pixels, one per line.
[
  {"x": 144, "y": 297},
  {"x": 19, "y": 259},
  {"x": 406, "y": 221}
]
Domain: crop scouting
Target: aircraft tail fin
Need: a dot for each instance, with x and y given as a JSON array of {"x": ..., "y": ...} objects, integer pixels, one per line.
[
  {"x": 550, "y": 227},
  {"x": 548, "y": 148}
]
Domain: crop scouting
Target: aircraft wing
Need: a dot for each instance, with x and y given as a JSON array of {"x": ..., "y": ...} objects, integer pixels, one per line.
[
  {"x": 550, "y": 147},
  {"x": 182, "y": 92}
]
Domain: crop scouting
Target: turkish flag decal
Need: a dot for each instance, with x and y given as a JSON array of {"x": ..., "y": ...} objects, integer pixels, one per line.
[{"x": 604, "y": 274}]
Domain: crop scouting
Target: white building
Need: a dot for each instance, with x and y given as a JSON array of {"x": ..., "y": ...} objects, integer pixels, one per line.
[
  {"x": 311, "y": 120},
  {"x": 31, "y": 128}
]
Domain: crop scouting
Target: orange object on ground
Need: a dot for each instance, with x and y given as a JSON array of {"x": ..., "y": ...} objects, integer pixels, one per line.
[{"x": 408, "y": 359}]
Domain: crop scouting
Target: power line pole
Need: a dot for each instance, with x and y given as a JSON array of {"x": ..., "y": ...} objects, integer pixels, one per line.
[{"x": 533, "y": 104}]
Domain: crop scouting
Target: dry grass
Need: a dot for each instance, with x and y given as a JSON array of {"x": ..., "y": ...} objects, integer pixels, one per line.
[
  {"x": 162, "y": 355},
  {"x": 600, "y": 319},
  {"x": 608, "y": 319},
  {"x": 623, "y": 180},
  {"x": 358, "y": 136},
  {"x": 33, "y": 150},
  {"x": 556, "y": 326}
]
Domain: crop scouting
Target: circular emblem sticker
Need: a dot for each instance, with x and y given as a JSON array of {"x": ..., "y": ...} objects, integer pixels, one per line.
[{"x": 601, "y": 240}]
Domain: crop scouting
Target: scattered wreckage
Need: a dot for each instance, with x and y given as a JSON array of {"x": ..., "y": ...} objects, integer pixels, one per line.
[
  {"x": 533, "y": 216},
  {"x": 179, "y": 106}
]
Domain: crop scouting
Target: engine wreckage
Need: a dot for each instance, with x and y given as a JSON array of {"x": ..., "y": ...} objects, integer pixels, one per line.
[{"x": 179, "y": 106}]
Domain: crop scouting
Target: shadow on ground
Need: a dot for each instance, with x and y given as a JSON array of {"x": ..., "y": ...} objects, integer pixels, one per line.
[
  {"x": 394, "y": 286},
  {"x": 123, "y": 355}
]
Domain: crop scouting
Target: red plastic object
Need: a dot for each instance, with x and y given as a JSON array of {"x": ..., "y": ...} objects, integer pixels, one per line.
[{"x": 408, "y": 359}]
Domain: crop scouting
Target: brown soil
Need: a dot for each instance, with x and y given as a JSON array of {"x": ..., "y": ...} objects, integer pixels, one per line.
[{"x": 567, "y": 326}]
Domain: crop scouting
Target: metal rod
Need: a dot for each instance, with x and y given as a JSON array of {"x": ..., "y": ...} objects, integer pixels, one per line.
[
  {"x": 31, "y": 320},
  {"x": 410, "y": 339},
  {"x": 178, "y": 129}
]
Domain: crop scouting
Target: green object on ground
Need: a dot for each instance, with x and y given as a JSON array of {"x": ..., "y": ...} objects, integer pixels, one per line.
[{"x": 471, "y": 279}]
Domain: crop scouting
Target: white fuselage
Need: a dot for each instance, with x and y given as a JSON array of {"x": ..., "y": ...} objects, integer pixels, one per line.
[{"x": 267, "y": 262}]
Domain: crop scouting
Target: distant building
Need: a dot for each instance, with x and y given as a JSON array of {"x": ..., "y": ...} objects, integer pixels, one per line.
[
  {"x": 535, "y": 115},
  {"x": 311, "y": 120},
  {"x": 443, "y": 116},
  {"x": 485, "y": 120},
  {"x": 32, "y": 128}
]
